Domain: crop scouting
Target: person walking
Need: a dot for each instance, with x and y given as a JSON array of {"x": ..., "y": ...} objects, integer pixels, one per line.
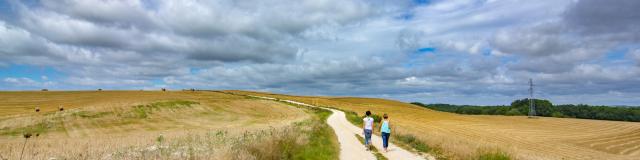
[
  {"x": 368, "y": 129},
  {"x": 385, "y": 131}
]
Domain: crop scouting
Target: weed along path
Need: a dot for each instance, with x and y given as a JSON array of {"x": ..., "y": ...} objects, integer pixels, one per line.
[{"x": 350, "y": 147}]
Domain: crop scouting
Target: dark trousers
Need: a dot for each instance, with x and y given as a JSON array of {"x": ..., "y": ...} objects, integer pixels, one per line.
[{"x": 385, "y": 139}]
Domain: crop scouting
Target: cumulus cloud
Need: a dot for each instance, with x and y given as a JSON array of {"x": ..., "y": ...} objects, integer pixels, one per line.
[
  {"x": 450, "y": 51},
  {"x": 28, "y": 83},
  {"x": 615, "y": 20},
  {"x": 635, "y": 54}
]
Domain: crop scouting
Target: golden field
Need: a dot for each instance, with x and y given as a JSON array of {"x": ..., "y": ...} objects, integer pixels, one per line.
[
  {"x": 462, "y": 136},
  {"x": 130, "y": 124}
]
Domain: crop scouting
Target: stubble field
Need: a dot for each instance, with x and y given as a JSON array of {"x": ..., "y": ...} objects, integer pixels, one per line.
[
  {"x": 138, "y": 124},
  {"x": 462, "y": 136}
]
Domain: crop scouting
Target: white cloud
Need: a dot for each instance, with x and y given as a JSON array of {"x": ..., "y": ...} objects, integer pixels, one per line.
[
  {"x": 483, "y": 48},
  {"x": 635, "y": 54},
  {"x": 26, "y": 82}
]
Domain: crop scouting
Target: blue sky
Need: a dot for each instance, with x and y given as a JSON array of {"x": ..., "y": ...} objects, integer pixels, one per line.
[{"x": 432, "y": 51}]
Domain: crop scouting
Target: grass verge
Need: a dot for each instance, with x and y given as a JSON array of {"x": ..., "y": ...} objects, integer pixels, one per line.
[
  {"x": 492, "y": 155},
  {"x": 322, "y": 143},
  {"x": 375, "y": 151}
]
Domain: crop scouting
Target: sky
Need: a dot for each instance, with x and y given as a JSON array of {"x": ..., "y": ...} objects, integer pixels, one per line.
[{"x": 480, "y": 52}]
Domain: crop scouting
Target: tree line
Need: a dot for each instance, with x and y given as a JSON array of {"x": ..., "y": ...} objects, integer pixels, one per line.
[{"x": 544, "y": 108}]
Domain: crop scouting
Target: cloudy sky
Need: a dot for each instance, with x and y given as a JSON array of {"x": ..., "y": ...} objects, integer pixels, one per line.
[{"x": 432, "y": 51}]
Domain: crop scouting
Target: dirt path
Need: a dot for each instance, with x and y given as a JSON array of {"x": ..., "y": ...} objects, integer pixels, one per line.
[
  {"x": 344, "y": 128},
  {"x": 350, "y": 146}
]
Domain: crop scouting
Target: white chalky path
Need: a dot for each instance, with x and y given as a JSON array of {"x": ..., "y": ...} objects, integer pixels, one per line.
[{"x": 350, "y": 147}]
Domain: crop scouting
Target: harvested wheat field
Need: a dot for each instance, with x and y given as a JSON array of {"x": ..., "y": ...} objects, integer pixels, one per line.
[
  {"x": 138, "y": 124},
  {"x": 462, "y": 136}
]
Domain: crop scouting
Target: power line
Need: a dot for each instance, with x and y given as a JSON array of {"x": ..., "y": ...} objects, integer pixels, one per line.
[{"x": 532, "y": 104}]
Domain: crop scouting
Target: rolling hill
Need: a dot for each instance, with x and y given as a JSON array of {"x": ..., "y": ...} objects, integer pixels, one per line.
[{"x": 460, "y": 136}]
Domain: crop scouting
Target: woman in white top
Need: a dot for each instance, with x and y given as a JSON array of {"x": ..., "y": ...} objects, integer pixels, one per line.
[{"x": 368, "y": 129}]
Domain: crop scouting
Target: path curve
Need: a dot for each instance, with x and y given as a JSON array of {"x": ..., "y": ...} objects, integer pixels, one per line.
[{"x": 350, "y": 146}]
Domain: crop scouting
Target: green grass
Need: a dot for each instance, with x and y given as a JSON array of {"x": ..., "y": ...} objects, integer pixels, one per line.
[
  {"x": 375, "y": 151},
  {"x": 90, "y": 115},
  {"x": 354, "y": 118},
  {"x": 53, "y": 121},
  {"x": 412, "y": 142},
  {"x": 322, "y": 140},
  {"x": 143, "y": 111},
  {"x": 493, "y": 155},
  {"x": 40, "y": 128}
]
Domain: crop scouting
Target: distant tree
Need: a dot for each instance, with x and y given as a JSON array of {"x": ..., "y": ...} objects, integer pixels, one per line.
[
  {"x": 543, "y": 107},
  {"x": 514, "y": 112},
  {"x": 557, "y": 114}
]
